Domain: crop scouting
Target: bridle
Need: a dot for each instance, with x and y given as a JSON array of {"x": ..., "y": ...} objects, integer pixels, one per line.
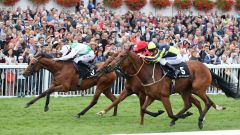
[
  {"x": 31, "y": 70},
  {"x": 119, "y": 63}
]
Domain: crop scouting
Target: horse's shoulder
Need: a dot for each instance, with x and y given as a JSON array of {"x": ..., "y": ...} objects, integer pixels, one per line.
[{"x": 99, "y": 64}]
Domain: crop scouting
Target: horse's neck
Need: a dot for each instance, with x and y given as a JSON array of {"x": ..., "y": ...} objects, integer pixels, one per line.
[
  {"x": 146, "y": 73},
  {"x": 50, "y": 65}
]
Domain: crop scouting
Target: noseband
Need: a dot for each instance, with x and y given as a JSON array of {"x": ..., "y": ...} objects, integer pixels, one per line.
[
  {"x": 31, "y": 70},
  {"x": 118, "y": 68}
]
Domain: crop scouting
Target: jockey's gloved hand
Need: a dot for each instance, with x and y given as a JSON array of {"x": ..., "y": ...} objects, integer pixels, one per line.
[{"x": 55, "y": 59}]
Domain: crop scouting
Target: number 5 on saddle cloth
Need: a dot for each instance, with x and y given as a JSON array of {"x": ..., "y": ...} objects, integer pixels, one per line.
[{"x": 184, "y": 71}]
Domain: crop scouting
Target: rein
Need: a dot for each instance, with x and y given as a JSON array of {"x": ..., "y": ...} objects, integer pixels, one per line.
[
  {"x": 138, "y": 69},
  {"x": 153, "y": 77},
  {"x": 37, "y": 62},
  {"x": 153, "y": 73}
]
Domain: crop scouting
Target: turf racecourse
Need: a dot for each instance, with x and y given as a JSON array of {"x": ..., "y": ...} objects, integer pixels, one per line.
[{"x": 60, "y": 120}]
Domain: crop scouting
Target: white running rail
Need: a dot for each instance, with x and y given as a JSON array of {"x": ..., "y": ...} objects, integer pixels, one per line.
[{"x": 13, "y": 84}]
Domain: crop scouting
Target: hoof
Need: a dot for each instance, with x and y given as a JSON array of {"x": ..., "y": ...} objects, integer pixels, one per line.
[
  {"x": 46, "y": 109},
  {"x": 189, "y": 114},
  {"x": 27, "y": 105},
  {"x": 77, "y": 116},
  {"x": 172, "y": 123},
  {"x": 160, "y": 112},
  {"x": 101, "y": 113},
  {"x": 219, "y": 108},
  {"x": 200, "y": 124}
]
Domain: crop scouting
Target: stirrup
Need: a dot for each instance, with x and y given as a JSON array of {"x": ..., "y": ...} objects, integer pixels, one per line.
[{"x": 177, "y": 72}]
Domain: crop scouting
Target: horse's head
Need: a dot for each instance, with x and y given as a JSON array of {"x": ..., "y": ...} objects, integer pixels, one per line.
[
  {"x": 108, "y": 61},
  {"x": 121, "y": 60},
  {"x": 35, "y": 64}
]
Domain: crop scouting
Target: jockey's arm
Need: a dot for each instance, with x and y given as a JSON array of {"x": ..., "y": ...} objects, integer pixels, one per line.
[
  {"x": 71, "y": 55},
  {"x": 156, "y": 57}
]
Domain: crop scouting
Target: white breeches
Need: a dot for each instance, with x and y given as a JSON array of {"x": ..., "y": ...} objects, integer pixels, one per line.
[
  {"x": 86, "y": 58},
  {"x": 171, "y": 60}
]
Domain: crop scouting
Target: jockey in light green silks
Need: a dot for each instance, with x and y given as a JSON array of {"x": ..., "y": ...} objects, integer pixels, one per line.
[{"x": 80, "y": 53}]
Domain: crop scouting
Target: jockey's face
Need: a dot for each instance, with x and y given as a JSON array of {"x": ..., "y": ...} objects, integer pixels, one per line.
[
  {"x": 142, "y": 51},
  {"x": 152, "y": 51}
]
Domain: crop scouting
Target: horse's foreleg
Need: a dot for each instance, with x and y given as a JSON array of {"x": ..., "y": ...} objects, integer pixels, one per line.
[
  {"x": 125, "y": 93},
  {"x": 142, "y": 99},
  {"x": 187, "y": 104},
  {"x": 154, "y": 114},
  {"x": 48, "y": 91},
  {"x": 167, "y": 105},
  {"x": 47, "y": 103},
  {"x": 147, "y": 102}
]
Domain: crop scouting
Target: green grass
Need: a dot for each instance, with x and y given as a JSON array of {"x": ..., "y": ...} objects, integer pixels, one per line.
[{"x": 60, "y": 120}]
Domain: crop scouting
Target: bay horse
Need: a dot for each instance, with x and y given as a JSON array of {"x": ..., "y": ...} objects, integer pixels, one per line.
[
  {"x": 66, "y": 78},
  {"x": 198, "y": 82}
]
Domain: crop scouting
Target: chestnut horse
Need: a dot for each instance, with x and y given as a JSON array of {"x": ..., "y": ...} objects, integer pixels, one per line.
[
  {"x": 157, "y": 85},
  {"x": 66, "y": 79},
  {"x": 132, "y": 85}
]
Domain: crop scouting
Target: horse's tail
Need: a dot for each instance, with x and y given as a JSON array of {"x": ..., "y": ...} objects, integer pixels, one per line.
[{"x": 230, "y": 89}]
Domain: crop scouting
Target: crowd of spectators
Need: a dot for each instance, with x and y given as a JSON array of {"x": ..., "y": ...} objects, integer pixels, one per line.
[{"x": 211, "y": 38}]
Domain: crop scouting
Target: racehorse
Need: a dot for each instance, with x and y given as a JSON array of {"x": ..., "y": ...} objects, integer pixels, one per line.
[
  {"x": 132, "y": 85},
  {"x": 198, "y": 82},
  {"x": 66, "y": 78}
]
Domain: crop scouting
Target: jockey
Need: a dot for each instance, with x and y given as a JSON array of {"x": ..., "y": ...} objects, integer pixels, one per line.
[
  {"x": 80, "y": 53},
  {"x": 141, "y": 47},
  {"x": 165, "y": 54}
]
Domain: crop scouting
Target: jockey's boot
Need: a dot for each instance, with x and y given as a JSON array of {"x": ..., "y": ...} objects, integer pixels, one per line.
[
  {"x": 173, "y": 69},
  {"x": 88, "y": 65}
]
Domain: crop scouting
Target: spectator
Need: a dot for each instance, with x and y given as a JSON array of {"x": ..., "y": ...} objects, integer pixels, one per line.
[{"x": 211, "y": 58}]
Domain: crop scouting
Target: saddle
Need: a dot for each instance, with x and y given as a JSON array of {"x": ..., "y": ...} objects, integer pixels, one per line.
[
  {"x": 182, "y": 67},
  {"x": 85, "y": 70}
]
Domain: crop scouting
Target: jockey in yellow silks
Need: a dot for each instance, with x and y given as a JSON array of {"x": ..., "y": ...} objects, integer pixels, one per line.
[{"x": 165, "y": 54}]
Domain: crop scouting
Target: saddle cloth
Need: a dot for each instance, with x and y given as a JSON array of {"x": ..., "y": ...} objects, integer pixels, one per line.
[
  {"x": 182, "y": 67},
  {"x": 84, "y": 71}
]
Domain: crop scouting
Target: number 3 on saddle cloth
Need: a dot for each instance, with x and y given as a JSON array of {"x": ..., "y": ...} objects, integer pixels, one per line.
[
  {"x": 85, "y": 69},
  {"x": 184, "y": 73}
]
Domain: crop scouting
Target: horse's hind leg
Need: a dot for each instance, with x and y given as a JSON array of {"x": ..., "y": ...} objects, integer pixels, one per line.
[
  {"x": 47, "y": 103},
  {"x": 208, "y": 103},
  {"x": 110, "y": 96},
  {"x": 92, "y": 103},
  {"x": 217, "y": 107},
  {"x": 125, "y": 93}
]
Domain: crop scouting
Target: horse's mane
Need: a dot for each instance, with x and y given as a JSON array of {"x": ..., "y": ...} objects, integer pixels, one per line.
[{"x": 44, "y": 54}]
